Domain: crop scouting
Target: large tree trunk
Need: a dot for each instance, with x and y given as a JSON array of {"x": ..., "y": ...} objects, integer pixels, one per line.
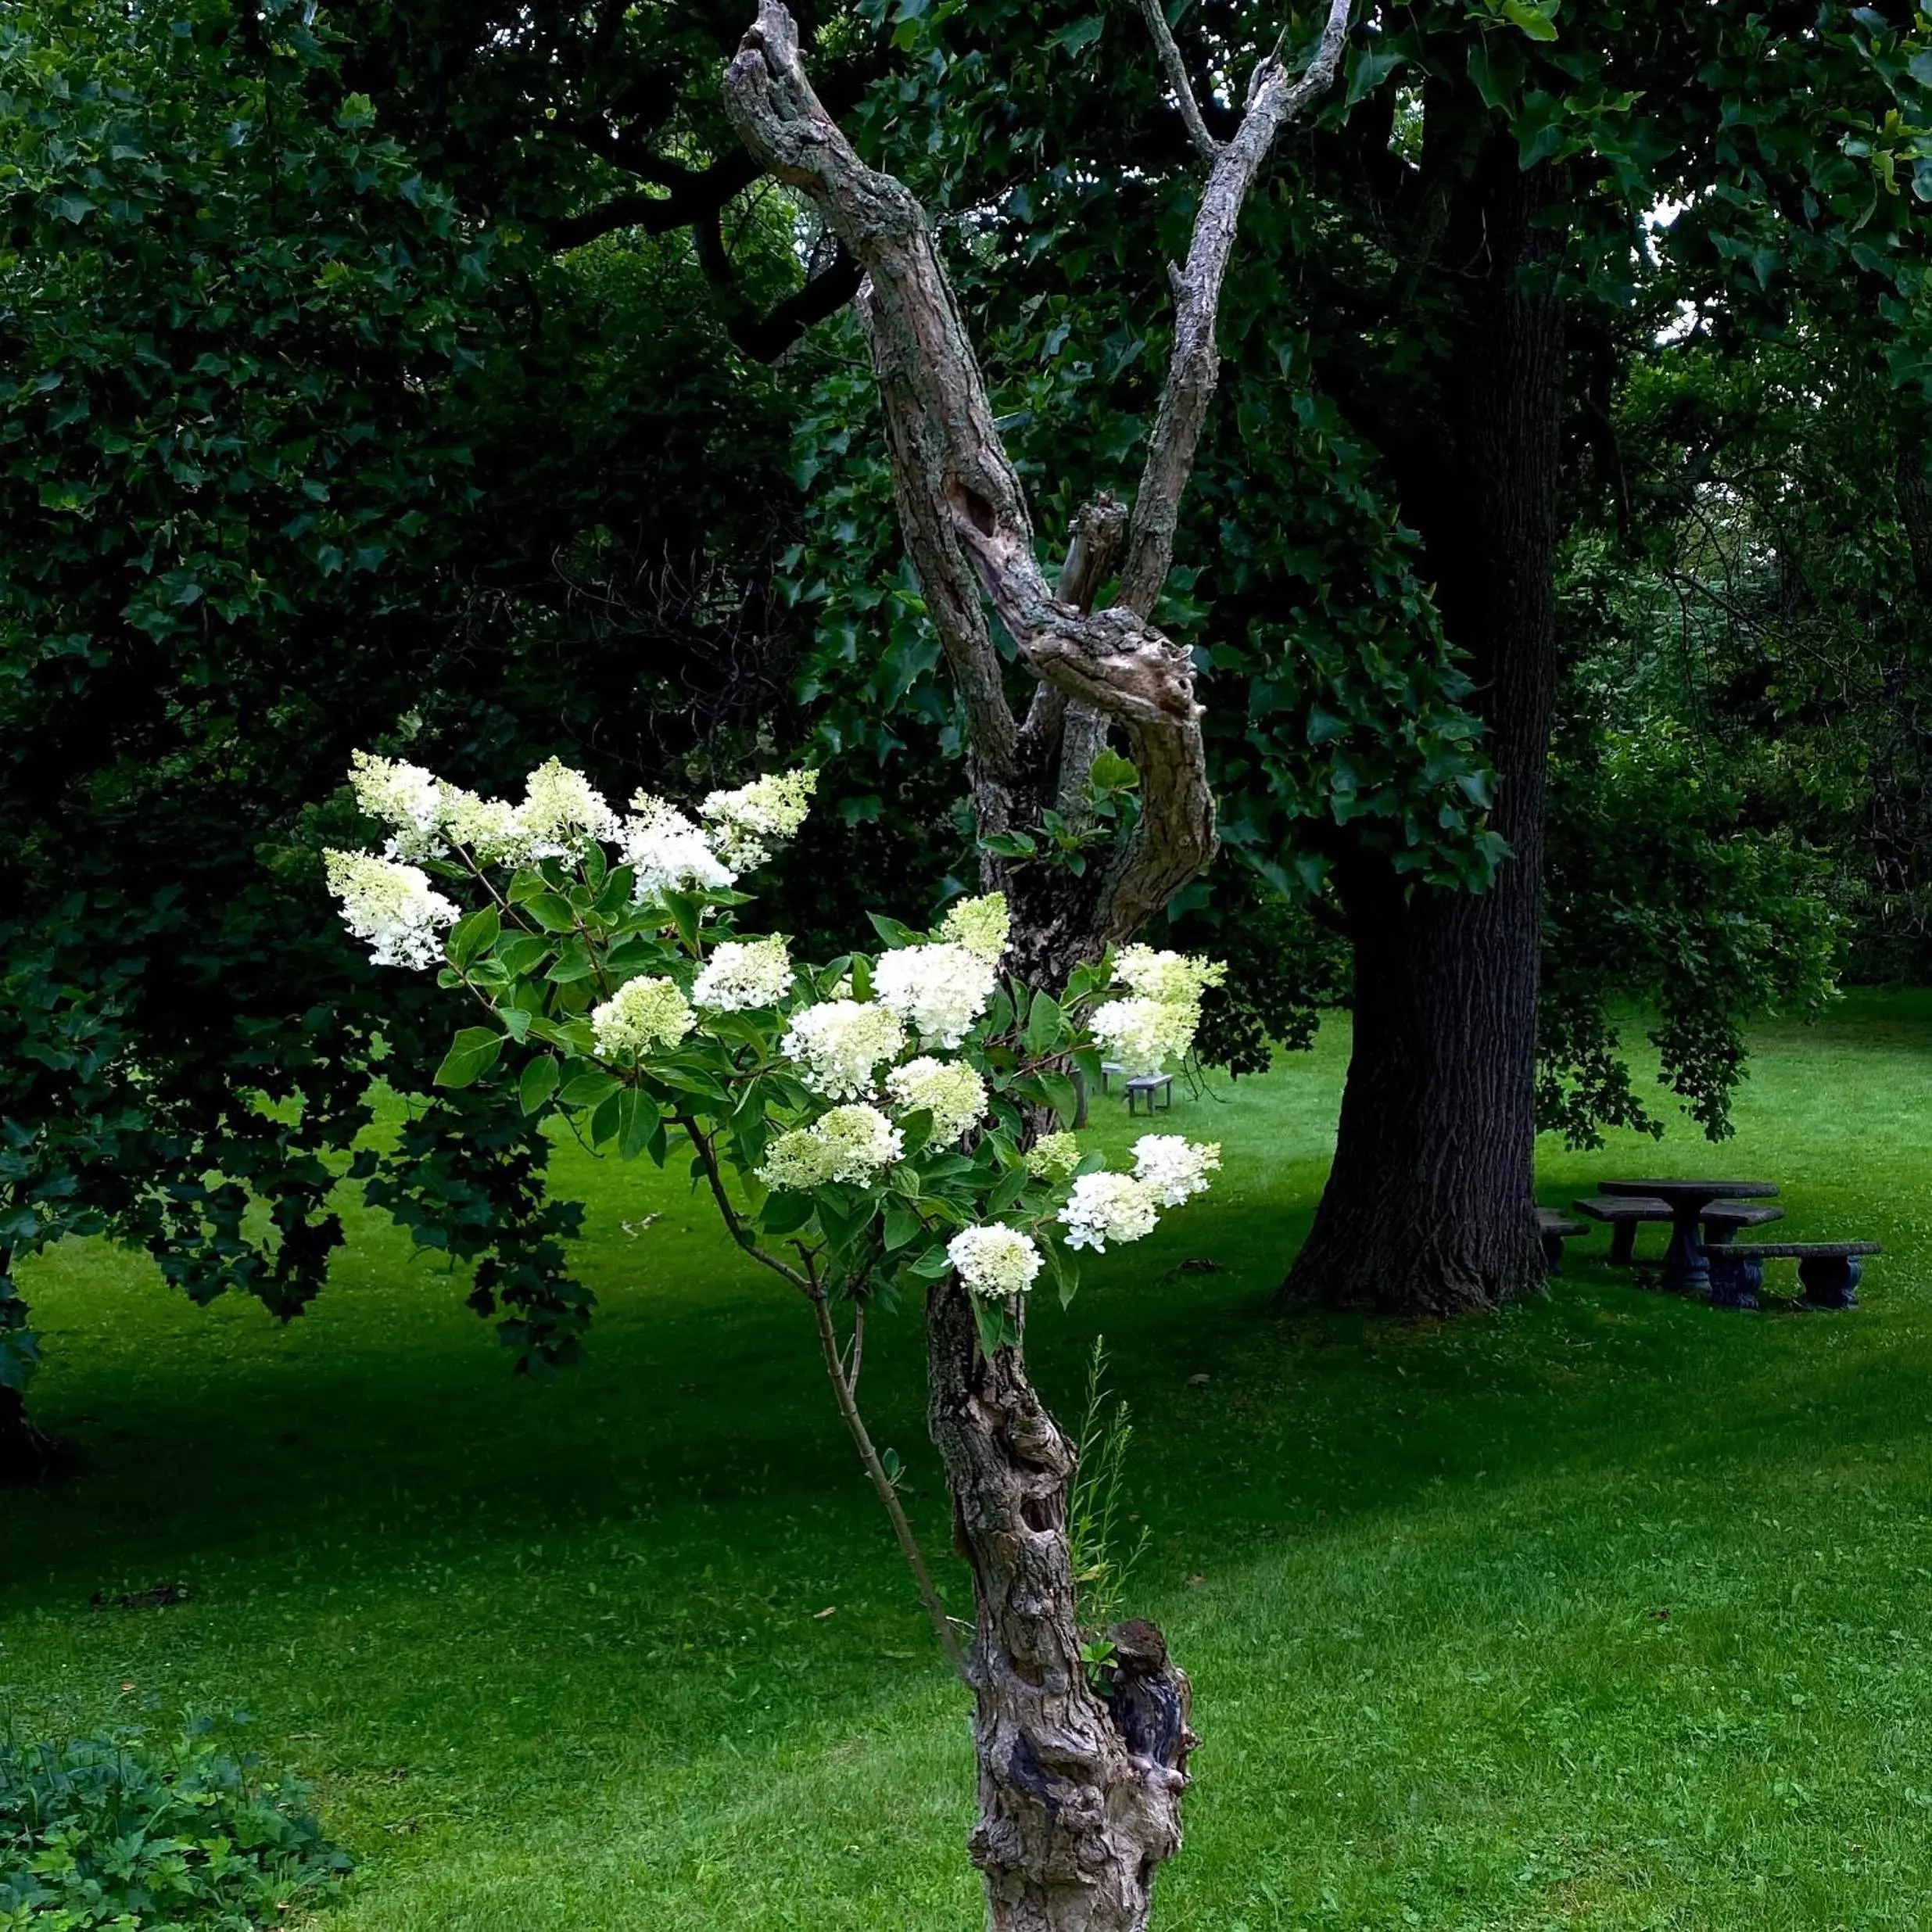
[
  {"x": 1079, "y": 1787},
  {"x": 1429, "y": 1205}
]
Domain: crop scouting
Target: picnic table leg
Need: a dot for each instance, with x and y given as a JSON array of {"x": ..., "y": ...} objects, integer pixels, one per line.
[
  {"x": 1686, "y": 1270},
  {"x": 1831, "y": 1280},
  {"x": 1622, "y": 1243},
  {"x": 1553, "y": 1253},
  {"x": 1734, "y": 1284}
]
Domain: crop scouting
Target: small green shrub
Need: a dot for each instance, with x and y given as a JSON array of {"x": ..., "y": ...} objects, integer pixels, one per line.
[{"x": 119, "y": 1834}]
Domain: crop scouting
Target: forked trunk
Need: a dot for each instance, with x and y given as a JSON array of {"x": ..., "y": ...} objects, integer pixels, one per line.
[{"x": 1079, "y": 1787}]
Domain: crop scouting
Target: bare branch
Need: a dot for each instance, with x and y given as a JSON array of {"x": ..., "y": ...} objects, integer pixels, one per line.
[
  {"x": 1204, "y": 144},
  {"x": 1194, "y": 367},
  {"x": 843, "y": 1392}
]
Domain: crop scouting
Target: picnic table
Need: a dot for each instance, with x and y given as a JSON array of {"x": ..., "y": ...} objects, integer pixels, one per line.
[{"x": 1685, "y": 1270}]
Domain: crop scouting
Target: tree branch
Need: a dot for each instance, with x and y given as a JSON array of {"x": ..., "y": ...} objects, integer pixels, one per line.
[
  {"x": 842, "y": 1390},
  {"x": 1194, "y": 365},
  {"x": 1180, "y": 81}
]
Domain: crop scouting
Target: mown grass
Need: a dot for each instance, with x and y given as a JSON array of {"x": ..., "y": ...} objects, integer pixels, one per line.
[{"x": 1610, "y": 1612}]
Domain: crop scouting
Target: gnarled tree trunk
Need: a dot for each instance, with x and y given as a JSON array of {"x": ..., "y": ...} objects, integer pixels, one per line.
[
  {"x": 1430, "y": 1206},
  {"x": 1080, "y": 1792},
  {"x": 1080, "y": 1781}
]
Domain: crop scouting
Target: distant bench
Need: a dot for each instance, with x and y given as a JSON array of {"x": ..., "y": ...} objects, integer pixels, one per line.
[
  {"x": 1626, "y": 1213},
  {"x": 1555, "y": 1228},
  {"x": 1829, "y": 1270},
  {"x": 1148, "y": 1086}
]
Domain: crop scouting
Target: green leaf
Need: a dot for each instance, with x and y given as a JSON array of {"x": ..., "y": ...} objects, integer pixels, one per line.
[
  {"x": 537, "y": 1083},
  {"x": 636, "y": 1119},
  {"x": 574, "y": 962},
  {"x": 902, "y": 1225},
  {"x": 1080, "y": 33},
  {"x": 1537, "y": 24},
  {"x": 786, "y": 1213},
  {"x": 470, "y": 1056},
  {"x": 934, "y": 1263},
  {"x": 894, "y": 934},
  {"x": 473, "y": 935},
  {"x": 1064, "y": 1097},
  {"x": 1046, "y": 1025},
  {"x": 1496, "y": 65},
  {"x": 521, "y": 953},
  {"x": 914, "y": 1131},
  {"x": 589, "y": 1090},
  {"x": 553, "y": 912}
]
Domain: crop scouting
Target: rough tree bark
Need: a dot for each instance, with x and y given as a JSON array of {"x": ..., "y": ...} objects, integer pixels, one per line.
[
  {"x": 1430, "y": 1206},
  {"x": 1079, "y": 1782}
]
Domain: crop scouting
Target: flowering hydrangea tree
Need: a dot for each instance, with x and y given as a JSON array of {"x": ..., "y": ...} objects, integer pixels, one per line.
[
  {"x": 891, "y": 1116},
  {"x": 869, "y": 1123}
]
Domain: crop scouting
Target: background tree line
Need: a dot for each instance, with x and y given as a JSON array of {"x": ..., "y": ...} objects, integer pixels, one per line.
[{"x": 445, "y": 380}]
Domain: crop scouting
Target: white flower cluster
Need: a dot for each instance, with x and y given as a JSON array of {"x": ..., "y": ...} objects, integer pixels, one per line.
[
  {"x": 1175, "y": 1168},
  {"x": 995, "y": 1260},
  {"x": 1053, "y": 1156},
  {"x": 745, "y": 824},
  {"x": 406, "y": 798},
  {"x": 743, "y": 974},
  {"x": 640, "y": 1015},
  {"x": 982, "y": 925},
  {"x": 668, "y": 853},
  {"x": 1144, "y": 1035},
  {"x": 391, "y": 907},
  {"x": 849, "y": 1144},
  {"x": 949, "y": 1090},
  {"x": 840, "y": 1045},
  {"x": 1176, "y": 979},
  {"x": 938, "y": 990},
  {"x": 1104, "y": 1207},
  {"x": 1159, "y": 1023},
  {"x": 563, "y": 812}
]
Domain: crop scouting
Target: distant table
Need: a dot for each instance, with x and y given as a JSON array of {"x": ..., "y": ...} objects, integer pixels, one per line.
[{"x": 1686, "y": 1270}]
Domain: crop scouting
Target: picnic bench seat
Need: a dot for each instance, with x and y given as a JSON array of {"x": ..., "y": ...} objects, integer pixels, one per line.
[
  {"x": 1626, "y": 1213},
  {"x": 1829, "y": 1270},
  {"x": 1148, "y": 1086},
  {"x": 1555, "y": 1228}
]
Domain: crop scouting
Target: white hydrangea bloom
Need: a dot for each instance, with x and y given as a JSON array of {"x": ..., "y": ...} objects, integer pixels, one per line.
[
  {"x": 1176, "y": 979},
  {"x": 669, "y": 852},
  {"x": 1053, "y": 1156},
  {"x": 938, "y": 990},
  {"x": 745, "y": 825},
  {"x": 840, "y": 1045},
  {"x": 563, "y": 812},
  {"x": 949, "y": 1090},
  {"x": 391, "y": 907},
  {"x": 995, "y": 1260},
  {"x": 982, "y": 925},
  {"x": 1143, "y": 1034},
  {"x": 1104, "y": 1207},
  {"x": 1176, "y": 1169},
  {"x": 849, "y": 1143},
  {"x": 744, "y": 974},
  {"x": 641, "y": 1014},
  {"x": 405, "y": 797},
  {"x": 489, "y": 827}
]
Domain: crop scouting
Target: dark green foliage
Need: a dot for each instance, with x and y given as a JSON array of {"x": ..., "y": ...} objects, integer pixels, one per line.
[
  {"x": 297, "y": 454},
  {"x": 1656, "y": 890},
  {"x": 118, "y": 1833}
]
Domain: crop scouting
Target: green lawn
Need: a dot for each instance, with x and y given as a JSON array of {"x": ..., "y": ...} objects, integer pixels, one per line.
[{"x": 1610, "y": 1612}]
